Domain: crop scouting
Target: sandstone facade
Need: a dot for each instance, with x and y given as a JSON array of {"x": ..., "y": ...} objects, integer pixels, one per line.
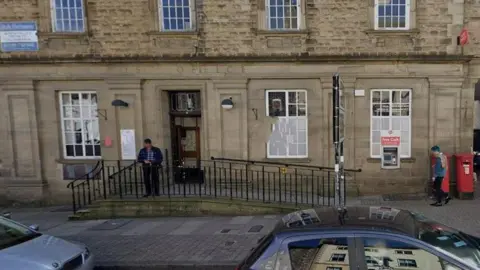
[{"x": 230, "y": 53}]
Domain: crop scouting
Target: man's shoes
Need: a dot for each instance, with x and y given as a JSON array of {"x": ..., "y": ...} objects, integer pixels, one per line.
[
  {"x": 447, "y": 199},
  {"x": 436, "y": 204}
]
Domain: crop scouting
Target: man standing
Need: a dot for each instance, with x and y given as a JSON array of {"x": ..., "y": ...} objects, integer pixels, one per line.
[
  {"x": 151, "y": 157},
  {"x": 439, "y": 171}
]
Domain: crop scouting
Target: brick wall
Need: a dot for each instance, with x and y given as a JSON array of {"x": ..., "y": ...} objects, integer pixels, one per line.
[{"x": 230, "y": 28}]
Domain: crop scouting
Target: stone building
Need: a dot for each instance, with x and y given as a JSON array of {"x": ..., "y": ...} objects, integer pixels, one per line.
[{"x": 56, "y": 102}]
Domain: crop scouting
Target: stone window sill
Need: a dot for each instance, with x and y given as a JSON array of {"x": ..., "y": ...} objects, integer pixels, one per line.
[
  {"x": 403, "y": 160},
  {"x": 279, "y": 33},
  {"x": 288, "y": 160},
  {"x": 410, "y": 32},
  {"x": 77, "y": 161},
  {"x": 176, "y": 34},
  {"x": 66, "y": 35}
]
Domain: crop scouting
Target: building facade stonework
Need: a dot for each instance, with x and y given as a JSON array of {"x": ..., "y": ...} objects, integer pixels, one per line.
[{"x": 56, "y": 102}]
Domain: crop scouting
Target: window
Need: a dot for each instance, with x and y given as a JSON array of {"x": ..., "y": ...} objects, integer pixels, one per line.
[
  {"x": 334, "y": 268},
  {"x": 315, "y": 253},
  {"x": 80, "y": 129},
  {"x": 283, "y": 14},
  {"x": 68, "y": 16},
  {"x": 389, "y": 257},
  {"x": 392, "y": 14},
  {"x": 175, "y": 15},
  {"x": 391, "y": 110},
  {"x": 289, "y": 134},
  {"x": 406, "y": 252},
  {"x": 337, "y": 257},
  {"x": 342, "y": 248},
  {"x": 407, "y": 263}
]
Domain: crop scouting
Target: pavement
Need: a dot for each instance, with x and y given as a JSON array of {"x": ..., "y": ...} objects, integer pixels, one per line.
[{"x": 199, "y": 242}]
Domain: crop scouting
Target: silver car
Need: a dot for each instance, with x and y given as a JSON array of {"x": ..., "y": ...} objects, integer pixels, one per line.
[{"x": 24, "y": 248}]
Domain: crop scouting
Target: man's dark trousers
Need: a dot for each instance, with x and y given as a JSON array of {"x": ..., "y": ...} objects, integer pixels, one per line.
[
  {"x": 437, "y": 187},
  {"x": 151, "y": 177}
]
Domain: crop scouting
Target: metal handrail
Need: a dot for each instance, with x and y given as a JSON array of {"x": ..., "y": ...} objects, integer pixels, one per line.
[
  {"x": 281, "y": 164},
  {"x": 124, "y": 169}
]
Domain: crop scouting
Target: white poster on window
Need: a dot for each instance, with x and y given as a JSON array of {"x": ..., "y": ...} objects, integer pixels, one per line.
[{"x": 129, "y": 151}]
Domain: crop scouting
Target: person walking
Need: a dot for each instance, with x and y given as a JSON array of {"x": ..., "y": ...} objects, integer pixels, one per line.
[
  {"x": 151, "y": 157},
  {"x": 439, "y": 171}
]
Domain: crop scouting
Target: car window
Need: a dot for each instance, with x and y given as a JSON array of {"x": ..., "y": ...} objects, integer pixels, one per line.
[
  {"x": 12, "y": 233},
  {"x": 453, "y": 242},
  {"x": 385, "y": 254},
  {"x": 313, "y": 254}
]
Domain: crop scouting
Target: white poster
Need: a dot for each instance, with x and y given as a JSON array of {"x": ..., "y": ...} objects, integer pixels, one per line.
[{"x": 129, "y": 151}]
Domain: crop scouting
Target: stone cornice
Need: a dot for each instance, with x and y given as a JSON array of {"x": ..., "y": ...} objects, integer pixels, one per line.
[
  {"x": 17, "y": 85},
  {"x": 303, "y": 57}
]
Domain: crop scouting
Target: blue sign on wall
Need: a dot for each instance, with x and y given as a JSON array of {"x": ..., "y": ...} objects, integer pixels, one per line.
[{"x": 18, "y": 36}]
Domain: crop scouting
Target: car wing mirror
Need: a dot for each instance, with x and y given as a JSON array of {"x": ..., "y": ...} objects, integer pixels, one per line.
[
  {"x": 7, "y": 215},
  {"x": 34, "y": 227}
]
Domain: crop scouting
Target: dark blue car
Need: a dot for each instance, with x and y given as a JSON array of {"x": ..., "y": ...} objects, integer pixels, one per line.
[{"x": 363, "y": 238}]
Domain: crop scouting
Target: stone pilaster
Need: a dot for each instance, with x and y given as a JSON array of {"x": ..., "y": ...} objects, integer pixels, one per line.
[
  {"x": 119, "y": 118},
  {"x": 445, "y": 118}
]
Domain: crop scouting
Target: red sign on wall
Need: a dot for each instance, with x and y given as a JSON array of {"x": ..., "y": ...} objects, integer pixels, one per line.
[
  {"x": 390, "y": 141},
  {"x": 463, "y": 37}
]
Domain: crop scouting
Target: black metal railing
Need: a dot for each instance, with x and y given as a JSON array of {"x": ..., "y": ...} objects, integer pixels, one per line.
[
  {"x": 267, "y": 182},
  {"x": 94, "y": 185}
]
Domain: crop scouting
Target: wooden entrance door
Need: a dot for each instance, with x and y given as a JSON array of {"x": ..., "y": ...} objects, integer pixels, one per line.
[{"x": 189, "y": 145}]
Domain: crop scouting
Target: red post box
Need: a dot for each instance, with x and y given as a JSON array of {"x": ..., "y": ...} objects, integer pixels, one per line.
[
  {"x": 446, "y": 179},
  {"x": 464, "y": 175}
]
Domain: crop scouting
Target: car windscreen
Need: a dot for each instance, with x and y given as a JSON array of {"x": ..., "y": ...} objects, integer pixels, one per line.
[
  {"x": 12, "y": 234},
  {"x": 451, "y": 241}
]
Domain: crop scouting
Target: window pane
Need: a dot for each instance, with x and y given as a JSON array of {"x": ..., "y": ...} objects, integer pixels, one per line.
[
  {"x": 376, "y": 124},
  {"x": 385, "y": 96},
  {"x": 319, "y": 253},
  {"x": 276, "y": 104},
  {"x": 396, "y": 96},
  {"x": 97, "y": 150},
  {"x": 78, "y": 138},
  {"x": 75, "y": 99},
  {"x": 396, "y": 255},
  {"x": 89, "y": 151},
  {"x": 75, "y": 111},
  {"x": 67, "y": 111},
  {"x": 292, "y": 110},
  {"x": 396, "y": 109},
  {"x": 396, "y": 123},
  {"x": 376, "y": 136},
  {"x": 385, "y": 110},
  {"x": 166, "y": 24},
  {"x": 385, "y": 123},
  {"x": 86, "y": 112},
  {"x": 294, "y": 23},
  {"x": 302, "y": 149},
  {"x": 69, "y": 150},
  {"x": 273, "y": 23},
  {"x": 376, "y": 110},
  {"x": 68, "y": 126},
  {"x": 69, "y": 138},
  {"x": 78, "y": 150},
  {"x": 292, "y": 97},
  {"x": 293, "y": 149},
  {"x": 65, "y": 99},
  {"x": 375, "y": 149}
]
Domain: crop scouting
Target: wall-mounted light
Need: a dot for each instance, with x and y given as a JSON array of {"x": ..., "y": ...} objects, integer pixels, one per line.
[
  {"x": 227, "y": 104},
  {"x": 119, "y": 103}
]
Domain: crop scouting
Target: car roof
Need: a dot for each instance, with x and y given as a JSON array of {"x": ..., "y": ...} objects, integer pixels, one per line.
[{"x": 367, "y": 218}]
